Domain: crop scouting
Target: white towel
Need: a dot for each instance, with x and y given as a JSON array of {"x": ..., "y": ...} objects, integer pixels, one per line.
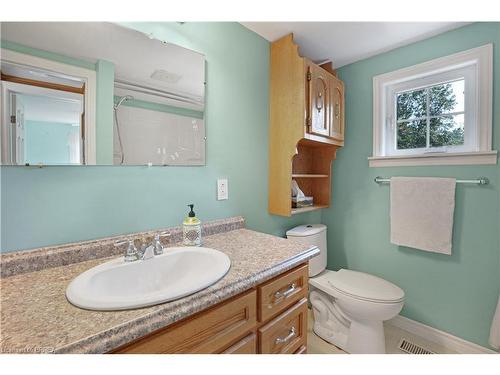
[
  {"x": 495, "y": 328},
  {"x": 422, "y": 212}
]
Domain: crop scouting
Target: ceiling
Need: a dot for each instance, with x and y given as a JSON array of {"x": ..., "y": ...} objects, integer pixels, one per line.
[{"x": 347, "y": 42}]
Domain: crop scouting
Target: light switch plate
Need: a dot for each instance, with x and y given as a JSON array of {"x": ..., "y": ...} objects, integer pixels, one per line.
[{"x": 222, "y": 189}]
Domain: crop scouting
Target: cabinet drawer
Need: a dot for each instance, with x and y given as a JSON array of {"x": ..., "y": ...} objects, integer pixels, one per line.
[
  {"x": 283, "y": 291},
  {"x": 286, "y": 333},
  {"x": 207, "y": 332},
  {"x": 247, "y": 345}
]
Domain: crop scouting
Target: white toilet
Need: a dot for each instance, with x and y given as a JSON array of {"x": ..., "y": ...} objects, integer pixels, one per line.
[{"x": 349, "y": 307}]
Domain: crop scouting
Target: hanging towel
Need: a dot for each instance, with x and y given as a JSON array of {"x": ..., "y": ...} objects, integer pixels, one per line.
[
  {"x": 495, "y": 328},
  {"x": 422, "y": 212}
]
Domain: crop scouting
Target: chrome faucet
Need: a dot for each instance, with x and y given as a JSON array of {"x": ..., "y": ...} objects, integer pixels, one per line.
[{"x": 146, "y": 251}]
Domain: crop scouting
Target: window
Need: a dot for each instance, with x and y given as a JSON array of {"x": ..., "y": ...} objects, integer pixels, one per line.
[{"x": 438, "y": 112}]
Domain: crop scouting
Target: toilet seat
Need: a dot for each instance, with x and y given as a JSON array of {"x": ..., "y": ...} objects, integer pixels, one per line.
[{"x": 358, "y": 285}]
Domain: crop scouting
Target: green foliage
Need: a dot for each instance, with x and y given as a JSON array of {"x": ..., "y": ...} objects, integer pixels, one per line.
[{"x": 443, "y": 130}]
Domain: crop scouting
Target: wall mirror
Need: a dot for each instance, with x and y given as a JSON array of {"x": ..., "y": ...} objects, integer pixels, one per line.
[{"x": 98, "y": 93}]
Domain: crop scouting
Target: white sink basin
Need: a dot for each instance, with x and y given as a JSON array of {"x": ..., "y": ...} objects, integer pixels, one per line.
[{"x": 119, "y": 285}]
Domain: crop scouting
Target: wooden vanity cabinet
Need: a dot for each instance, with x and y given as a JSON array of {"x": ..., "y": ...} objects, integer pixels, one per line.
[
  {"x": 271, "y": 318},
  {"x": 306, "y": 127}
]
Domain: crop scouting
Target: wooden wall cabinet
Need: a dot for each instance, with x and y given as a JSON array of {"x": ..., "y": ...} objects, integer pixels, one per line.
[
  {"x": 271, "y": 318},
  {"x": 306, "y": 127}
]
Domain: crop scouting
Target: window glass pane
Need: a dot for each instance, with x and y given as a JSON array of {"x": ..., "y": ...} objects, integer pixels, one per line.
[
  {"x": 411, "y": 104},
  {"x": 447, "y": 131},
  {"x": 411, "y": 134},
  {"x": 446, "y": 98}
]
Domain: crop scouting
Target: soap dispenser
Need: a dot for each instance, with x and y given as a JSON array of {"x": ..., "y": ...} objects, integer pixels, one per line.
[{"x": 191, "y": 229}]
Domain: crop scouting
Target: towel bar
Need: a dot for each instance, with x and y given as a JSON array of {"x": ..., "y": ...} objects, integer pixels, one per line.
[{"x": 477, "y": 181}]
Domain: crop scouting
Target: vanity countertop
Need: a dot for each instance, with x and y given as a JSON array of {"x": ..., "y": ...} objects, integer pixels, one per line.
[{"x": 37, "y": 318}]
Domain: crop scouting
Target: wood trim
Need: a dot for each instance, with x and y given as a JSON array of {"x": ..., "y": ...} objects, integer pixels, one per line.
[
  {"x": 301, "y": 350},
  {"x": 328, "y": 66},
  {"x": 286, "y": 119},
  {"x": 247, "y": 345},
  {"x": 47, "y": 85}
]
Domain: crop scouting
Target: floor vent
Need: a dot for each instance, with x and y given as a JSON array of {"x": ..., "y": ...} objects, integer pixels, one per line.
[{"x": 411, "y": 348}]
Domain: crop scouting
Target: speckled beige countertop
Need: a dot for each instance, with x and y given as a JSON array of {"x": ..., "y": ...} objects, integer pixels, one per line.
[{"x": 36, "y": 317}]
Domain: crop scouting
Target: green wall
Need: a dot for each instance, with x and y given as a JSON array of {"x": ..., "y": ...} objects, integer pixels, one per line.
[
  {"x": 454, "y": 293},
  {"x": 55, "y": 205}
]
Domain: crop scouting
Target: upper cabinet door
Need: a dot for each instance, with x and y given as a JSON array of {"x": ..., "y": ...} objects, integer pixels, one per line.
[
  {"x": 318, "y": 108},
  {"x": 337, "y": 109}
]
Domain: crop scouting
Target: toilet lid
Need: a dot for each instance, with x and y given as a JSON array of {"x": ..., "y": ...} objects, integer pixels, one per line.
[{"x": 365, "y": 286}]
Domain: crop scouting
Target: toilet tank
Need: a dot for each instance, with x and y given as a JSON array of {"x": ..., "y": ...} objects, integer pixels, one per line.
[{"x": 312, "y": 234}]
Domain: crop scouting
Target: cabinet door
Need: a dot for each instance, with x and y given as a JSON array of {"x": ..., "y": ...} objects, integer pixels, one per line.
[
  {"x": 337, "y": 109},
  {"x": 319, "y": 101},
  {"x": 206, "y": 332}
]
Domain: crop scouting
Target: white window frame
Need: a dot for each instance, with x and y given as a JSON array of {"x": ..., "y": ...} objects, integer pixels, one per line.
[
  {"x": 86, "y": 75},
  {"x": 476, "y": 66}
]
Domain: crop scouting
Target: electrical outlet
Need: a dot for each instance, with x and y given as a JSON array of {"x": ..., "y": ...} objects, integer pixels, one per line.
[{"x": 222, "y": 189}]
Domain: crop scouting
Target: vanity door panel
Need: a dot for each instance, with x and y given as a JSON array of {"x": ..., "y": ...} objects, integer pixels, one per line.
[
  {"x": 319, "y": 101},
  {"x": 207, "y": 332},
  {"x": 337, "y": 109}
]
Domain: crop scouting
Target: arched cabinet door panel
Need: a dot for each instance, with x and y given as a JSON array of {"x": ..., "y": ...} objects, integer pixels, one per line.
[{"x": 319, "y": 100}]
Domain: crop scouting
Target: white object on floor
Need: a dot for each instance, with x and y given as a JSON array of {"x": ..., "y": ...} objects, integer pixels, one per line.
[
  {"x": 495, "y": 328},
  {"x": 422, "y": 213},
  {"x": 349, "y": 307}
]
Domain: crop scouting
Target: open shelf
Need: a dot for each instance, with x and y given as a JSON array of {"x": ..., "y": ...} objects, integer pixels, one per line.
[
  {"x": 315, "y": 207},
  {"x": 311, "y": 169},
  {"x": 309, "y": 175}
]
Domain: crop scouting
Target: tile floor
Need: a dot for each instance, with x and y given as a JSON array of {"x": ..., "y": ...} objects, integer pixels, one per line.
[{"x": 393, "y": 335}]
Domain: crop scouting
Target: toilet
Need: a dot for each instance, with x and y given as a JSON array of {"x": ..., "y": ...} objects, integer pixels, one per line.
[{"x": 349, "y": 307}]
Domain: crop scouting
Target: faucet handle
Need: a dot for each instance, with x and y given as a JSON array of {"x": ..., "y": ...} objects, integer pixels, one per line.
[
  {"x": 131, "y": 253},
  {"x": 157, "y": 243}
]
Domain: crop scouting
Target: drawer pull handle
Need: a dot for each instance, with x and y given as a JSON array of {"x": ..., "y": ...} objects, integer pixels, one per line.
[
  {"x": 282, "y": 340},
  {"x": 279, "y": 294}
]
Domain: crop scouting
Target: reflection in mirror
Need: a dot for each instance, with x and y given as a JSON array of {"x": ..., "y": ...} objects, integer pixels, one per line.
[{"x": 98, "y": 93}]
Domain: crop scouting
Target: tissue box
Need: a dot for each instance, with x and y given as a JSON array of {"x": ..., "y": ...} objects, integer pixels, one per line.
[{"x": 302, "y": 202}]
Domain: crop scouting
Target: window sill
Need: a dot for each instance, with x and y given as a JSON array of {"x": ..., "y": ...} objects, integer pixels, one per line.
[{"x": 459, "y": 158}]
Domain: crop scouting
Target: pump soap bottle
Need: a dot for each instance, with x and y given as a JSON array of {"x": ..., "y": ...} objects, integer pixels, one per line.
[{"x": 191, "y": 229}]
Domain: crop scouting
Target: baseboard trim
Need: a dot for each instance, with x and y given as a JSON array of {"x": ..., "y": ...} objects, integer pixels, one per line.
[{"x": 439, "y": 337}]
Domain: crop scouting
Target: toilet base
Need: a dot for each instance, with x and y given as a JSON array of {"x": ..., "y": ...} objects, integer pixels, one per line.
[
  {"x": 335, "y": 327},
  {"x": 366, "y": 338}
]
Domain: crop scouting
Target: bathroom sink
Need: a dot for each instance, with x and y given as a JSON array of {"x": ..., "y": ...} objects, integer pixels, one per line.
[{"x": 120, "y": 285}]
